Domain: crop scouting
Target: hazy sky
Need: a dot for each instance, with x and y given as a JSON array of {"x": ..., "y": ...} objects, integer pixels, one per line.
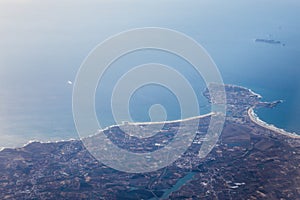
[{"x": 33, "y": 32}]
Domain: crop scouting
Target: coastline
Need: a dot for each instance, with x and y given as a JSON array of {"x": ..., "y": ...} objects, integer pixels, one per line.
[
  {"x": 106, "y": 128},
  {"x": 255, "y": 119},
  {"x": 252, "y": 115},
  {"x": 250, "y": 112},
  {"x": 40, "y": 141},
  {"x": 171, "y": 121}
]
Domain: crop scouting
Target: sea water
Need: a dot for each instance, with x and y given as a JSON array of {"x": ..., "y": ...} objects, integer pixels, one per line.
[{"x": 40, "y": 58}]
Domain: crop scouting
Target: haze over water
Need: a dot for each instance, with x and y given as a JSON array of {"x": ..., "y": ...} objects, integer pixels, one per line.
[{"x": 44, "y": 44}]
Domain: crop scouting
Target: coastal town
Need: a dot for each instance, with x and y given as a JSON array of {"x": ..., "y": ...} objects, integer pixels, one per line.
[{"x": 251, "y": 160}]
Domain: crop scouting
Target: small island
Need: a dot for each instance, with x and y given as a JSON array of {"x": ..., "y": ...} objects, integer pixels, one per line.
[{"x": 269, "y": 41}]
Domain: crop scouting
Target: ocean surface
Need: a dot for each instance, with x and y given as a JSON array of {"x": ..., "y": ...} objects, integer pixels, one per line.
[{"x": 43, "y": 46}]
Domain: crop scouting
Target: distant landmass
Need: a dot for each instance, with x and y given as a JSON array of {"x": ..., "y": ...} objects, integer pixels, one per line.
[
  {"x": 269, "y": 41},
  {"x": 251, "y": 160}
]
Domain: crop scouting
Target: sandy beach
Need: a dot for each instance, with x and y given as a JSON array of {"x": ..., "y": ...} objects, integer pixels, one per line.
[
  {"x": 259, "y": 122},
  {"x": 173, "y": 121}
]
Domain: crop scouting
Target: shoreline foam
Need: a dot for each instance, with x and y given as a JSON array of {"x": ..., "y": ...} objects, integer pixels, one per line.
[
  {"x": 255, "y": 119},
  {"x": 40, "y": 141}
]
